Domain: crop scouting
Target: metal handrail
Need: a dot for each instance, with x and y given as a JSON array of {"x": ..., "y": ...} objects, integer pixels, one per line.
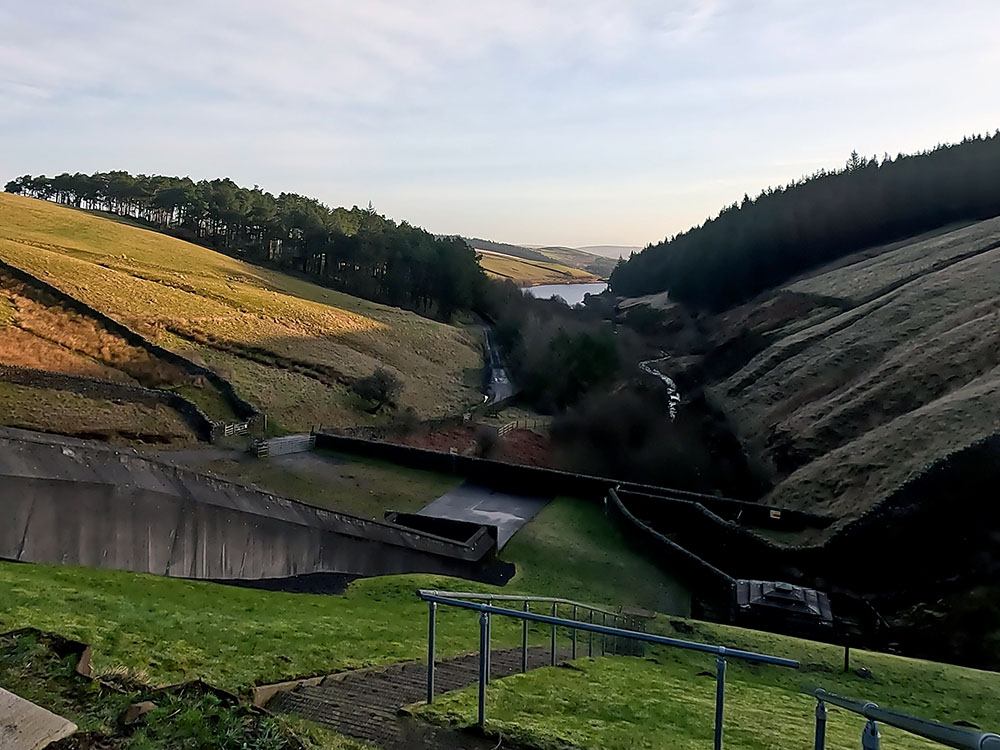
[
  {"x": 517, "y": 598},
  {"x": 434, "y": 598},
  {"x": 943, "y": 734}
]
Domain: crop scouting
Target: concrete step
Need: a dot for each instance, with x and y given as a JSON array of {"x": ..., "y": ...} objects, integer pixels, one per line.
[{"x": 365, "y": 704}]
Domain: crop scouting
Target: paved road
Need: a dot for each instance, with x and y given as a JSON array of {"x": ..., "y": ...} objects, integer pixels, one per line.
[
  {"x": 477, "y": 504},
  {"x": 499, "y": 386}
]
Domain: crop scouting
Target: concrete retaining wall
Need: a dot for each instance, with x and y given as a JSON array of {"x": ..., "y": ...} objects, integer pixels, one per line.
[
  {"x": 70, "y": 502},
  {"x": 534, "y": 480}
]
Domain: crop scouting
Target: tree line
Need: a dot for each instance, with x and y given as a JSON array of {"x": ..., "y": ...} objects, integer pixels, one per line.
[
  {"x": 356, "y": 250},
  {"x": 761, "y": 242}
]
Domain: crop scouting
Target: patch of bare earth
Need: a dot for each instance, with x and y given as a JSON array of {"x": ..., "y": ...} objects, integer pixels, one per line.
[{"x": 524, "y": 447}]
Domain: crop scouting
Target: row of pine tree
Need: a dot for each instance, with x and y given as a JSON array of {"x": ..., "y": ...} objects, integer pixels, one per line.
[{"x": 353, "y": 250}]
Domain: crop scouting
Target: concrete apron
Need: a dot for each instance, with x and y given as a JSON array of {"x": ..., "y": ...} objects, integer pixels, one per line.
[
  {"x": 27, "y": 726},
  {"x": 481, "y": 505}
]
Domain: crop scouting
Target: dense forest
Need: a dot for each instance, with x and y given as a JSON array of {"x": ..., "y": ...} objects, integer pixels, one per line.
[
  {"x": 761, "y": 242},
  {"x": 354, "y": 250}
]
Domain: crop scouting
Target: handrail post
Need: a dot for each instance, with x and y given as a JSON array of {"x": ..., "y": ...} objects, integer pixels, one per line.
[
  {"x": 604, "y": 636},
  {"x": 590, "y": 641},
  {"x": 820, "y": 743},
  {"x": 870, "y": 737},
  {"x": 524, "y": 641},
  {"x": 431, "y": 611},
  {"x": 484, "y": 626},
  {"x": 720, "y": 697},
  {"x": 553, "y": 645},
  {"x": 489, "y": 645},
  {"x": 574, "y": 632}
]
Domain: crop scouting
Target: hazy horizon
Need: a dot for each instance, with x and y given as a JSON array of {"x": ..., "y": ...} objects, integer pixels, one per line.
[{"x": 576, "y": 124}]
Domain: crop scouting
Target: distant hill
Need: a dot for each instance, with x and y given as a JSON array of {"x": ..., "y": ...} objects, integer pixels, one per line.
[
  {"x": 524, "y": 272},
  {"x": 517, "y": 251},
  {"x": 569, "y": 256},
  {"x": 759, "y": 243},
  {"x": 592, "y": 263},
  {"x": 611, "y": 251}
]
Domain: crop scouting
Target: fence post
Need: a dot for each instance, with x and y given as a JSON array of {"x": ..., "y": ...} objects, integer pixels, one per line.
[
  {"x": 489, "y": 645},
  {"x": 870, "y": 738},
  {"x": 590, "y": 640},
  {"x": 431, "y": 611},
  {"x": 720, "y": 697},
  {"x": 484, "y": 626},
  {"x": 524, "y": 641},
  {"x": 604, "y": 636},
  {"x": 574, "y": 632},
  {"x": 555, "y": 609},
  {"x": 820, "y": 743}
]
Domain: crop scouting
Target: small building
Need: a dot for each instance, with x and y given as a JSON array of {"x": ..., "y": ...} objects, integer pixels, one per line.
[{"x": 782, "y": 607}]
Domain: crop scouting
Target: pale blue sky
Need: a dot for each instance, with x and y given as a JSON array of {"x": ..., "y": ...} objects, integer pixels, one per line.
[{"x": 583, "y": 122}]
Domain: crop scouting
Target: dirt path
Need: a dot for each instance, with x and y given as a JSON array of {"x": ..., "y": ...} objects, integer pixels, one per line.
[{"x": 365, "y": 704}]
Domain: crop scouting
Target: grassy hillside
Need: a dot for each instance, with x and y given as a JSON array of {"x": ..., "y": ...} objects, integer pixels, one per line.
[
  {"x": 168, "y": 629},
  {"x": 873, "y": 368},
  {"x": 289, "y": 346},
  {"x": 668, "y": 698},
  {"x": 72, "y": 414},
  {"x": 579, "y": 259},
  {"x": 530, "y": 272}
]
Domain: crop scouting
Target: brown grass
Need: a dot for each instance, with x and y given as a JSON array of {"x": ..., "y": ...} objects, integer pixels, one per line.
[
  {"x": 152, "y": 282},
  {"x": 532, "y": 272},
  {"x": 72, "y": 414}
]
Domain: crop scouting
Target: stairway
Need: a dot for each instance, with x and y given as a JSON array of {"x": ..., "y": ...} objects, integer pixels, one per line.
[{"x": 365, "y": 704}]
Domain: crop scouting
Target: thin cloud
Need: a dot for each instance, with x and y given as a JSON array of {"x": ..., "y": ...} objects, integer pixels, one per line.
[{"x": 413, "y": 104}]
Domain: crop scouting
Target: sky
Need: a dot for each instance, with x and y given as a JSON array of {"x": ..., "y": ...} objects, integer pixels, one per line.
[{"x": 574, "y": 123}]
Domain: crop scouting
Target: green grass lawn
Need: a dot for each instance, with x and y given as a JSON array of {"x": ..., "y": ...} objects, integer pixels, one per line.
[
  {"x": 349, "y": 484},
  {"x": 235, "y": 638},
  {"x": 668, "y": 698},
  {"x": 174, "y": 630},
  {"x": 570, "y": 550}
]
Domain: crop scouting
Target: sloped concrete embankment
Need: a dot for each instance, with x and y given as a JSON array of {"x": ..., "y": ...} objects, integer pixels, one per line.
[{"x": 75, "y": 503}]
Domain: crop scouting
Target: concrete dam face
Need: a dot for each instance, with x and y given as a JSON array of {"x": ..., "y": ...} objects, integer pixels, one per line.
[{"x": 74, "y": 503}]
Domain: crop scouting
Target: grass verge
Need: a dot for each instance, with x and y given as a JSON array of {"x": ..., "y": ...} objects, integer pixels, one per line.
[{"x": 668, "y": 698}]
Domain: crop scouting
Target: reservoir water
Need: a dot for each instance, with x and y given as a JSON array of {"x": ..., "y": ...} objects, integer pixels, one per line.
[{"x": 572, "y": 293}]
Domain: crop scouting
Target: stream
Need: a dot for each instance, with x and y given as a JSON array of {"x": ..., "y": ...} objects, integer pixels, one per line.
[{"x": 672, "y": 394}]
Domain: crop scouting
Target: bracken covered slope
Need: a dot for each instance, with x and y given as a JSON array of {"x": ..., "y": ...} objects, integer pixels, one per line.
[
  {"x": 870, "y": 370},
  {"x": 289, "y": 346}
]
